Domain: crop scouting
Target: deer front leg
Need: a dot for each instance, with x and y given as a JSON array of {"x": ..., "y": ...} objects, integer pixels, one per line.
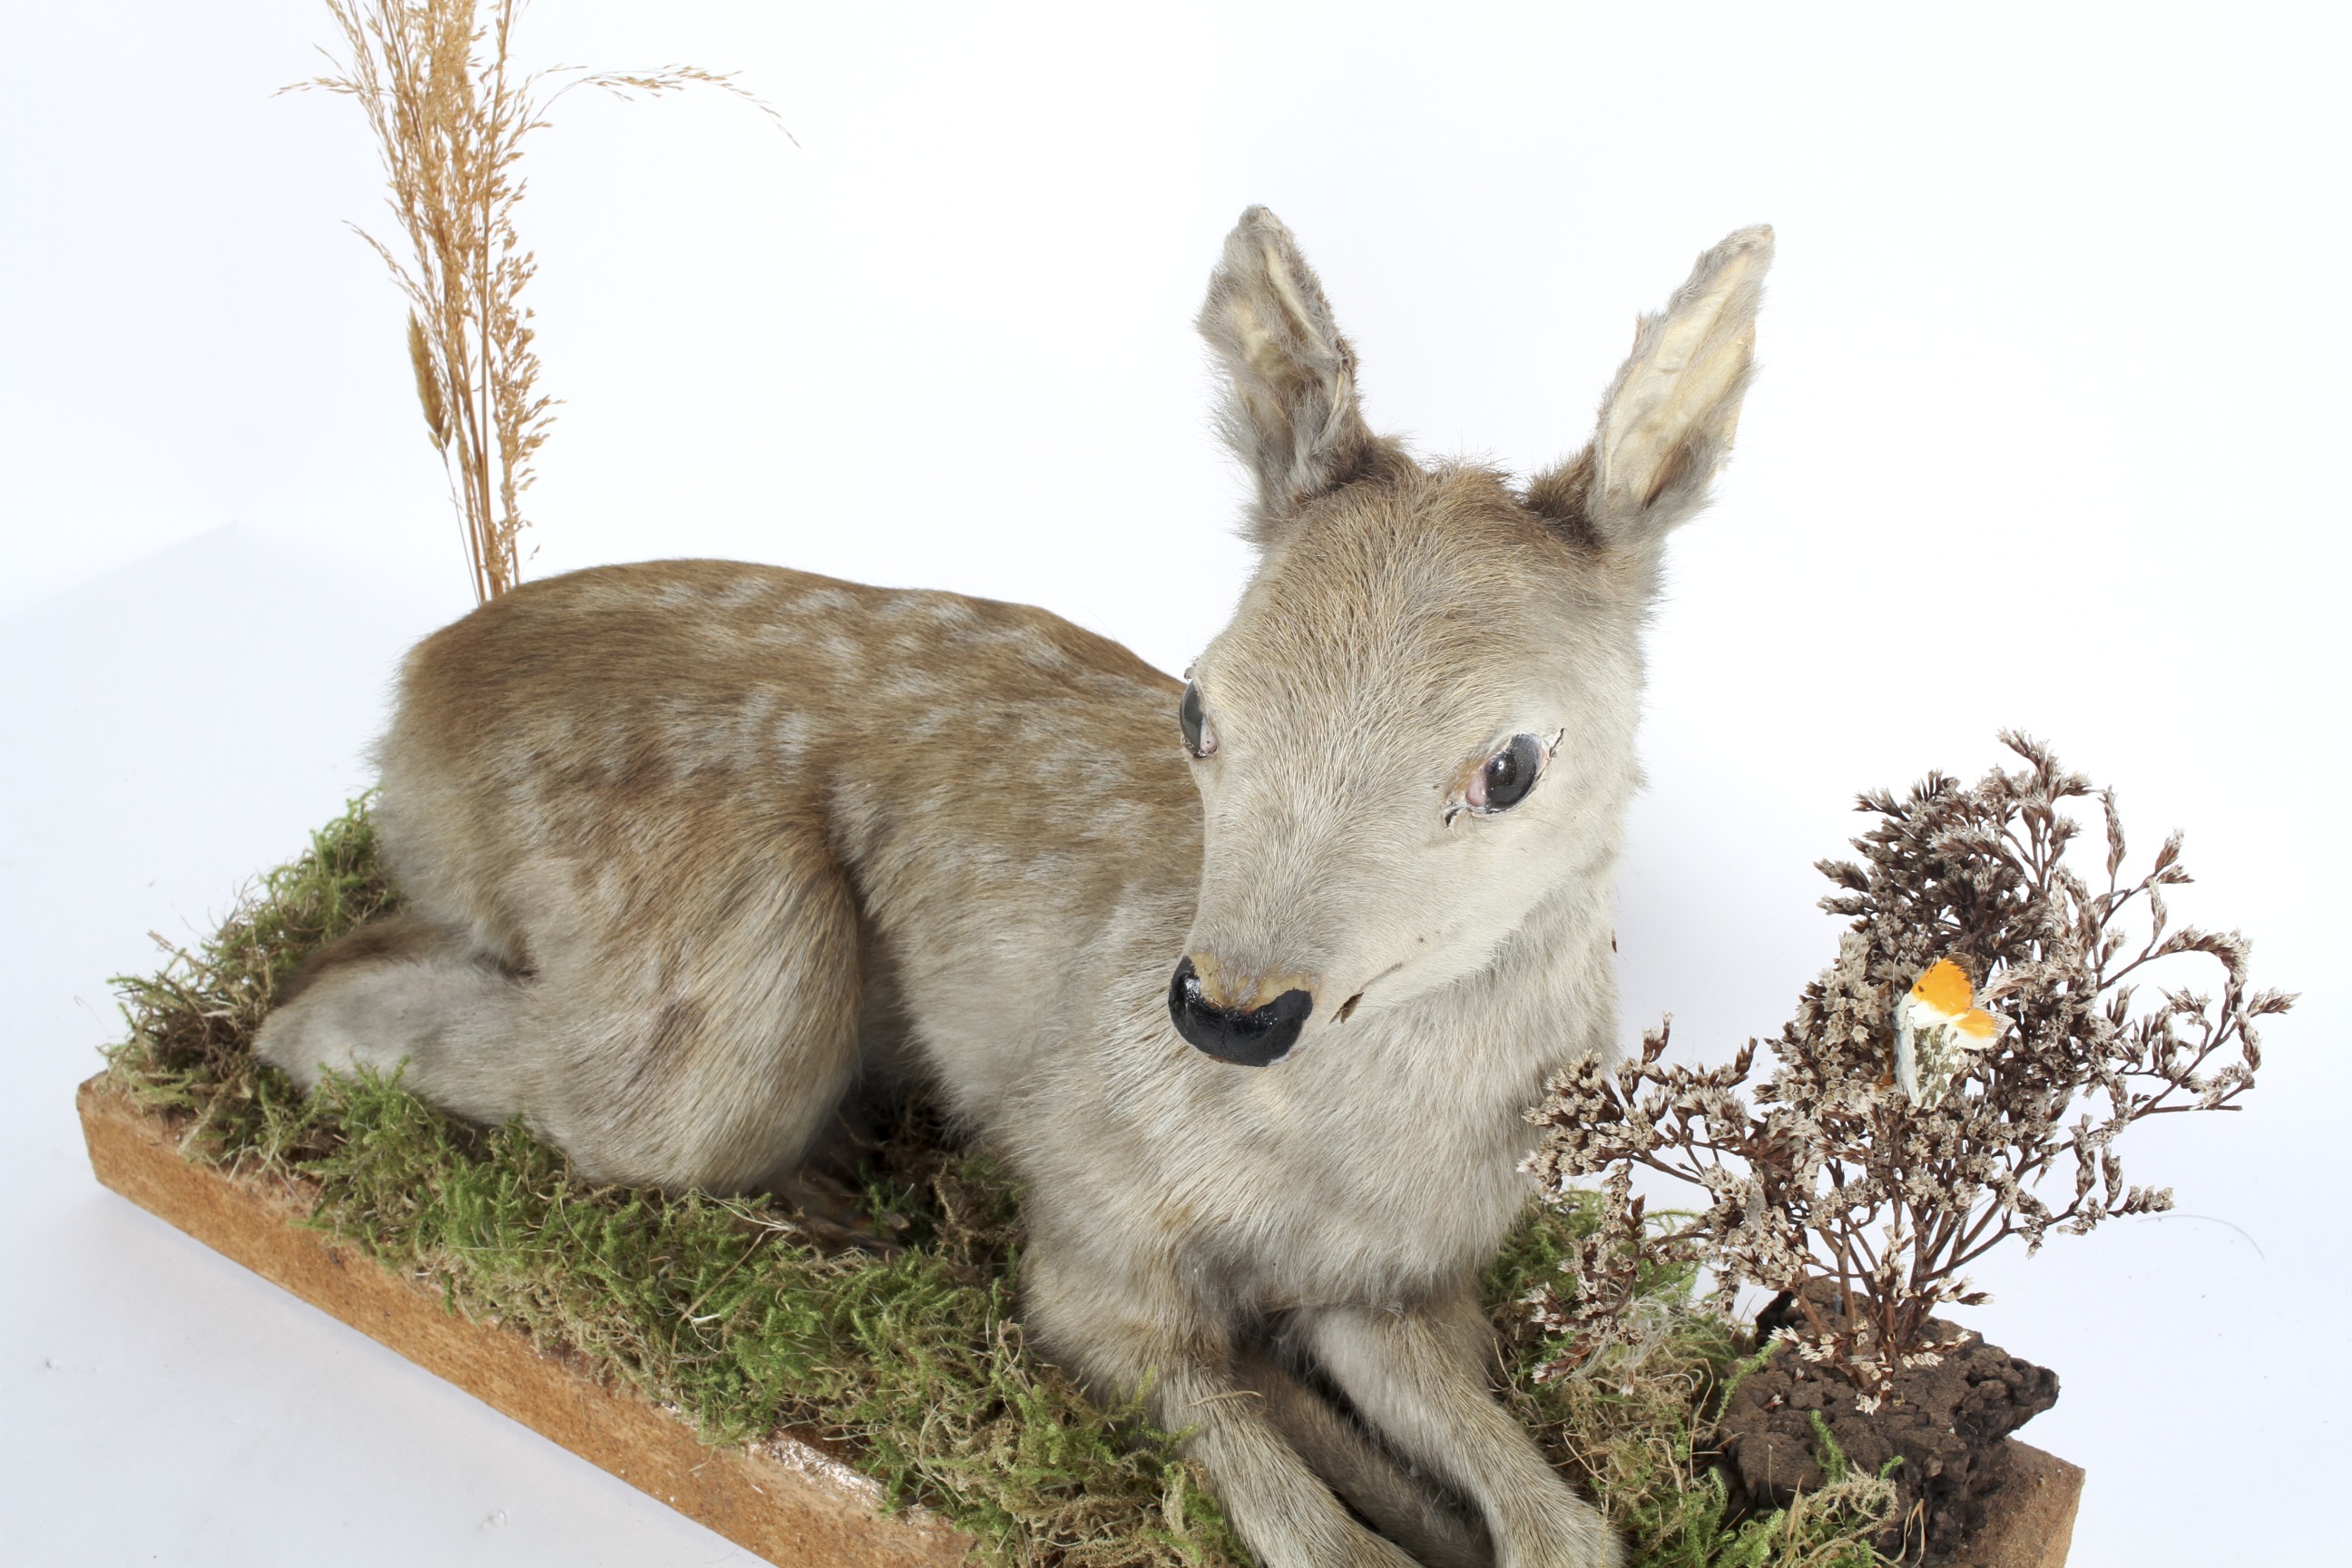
[
  {"x": 1117, "y": 1341},
  {"x": 1400, "y": 1505},
  {"x": 1419, "y": 1376}
]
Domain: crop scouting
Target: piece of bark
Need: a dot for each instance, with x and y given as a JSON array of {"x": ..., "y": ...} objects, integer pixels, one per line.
[{"x": 783, "y": 1500}]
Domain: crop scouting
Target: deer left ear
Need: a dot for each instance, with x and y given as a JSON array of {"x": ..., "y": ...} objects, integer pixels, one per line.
[
  {"x": 1667, "y": 422},
  {"x": 1291, "y": 413}
]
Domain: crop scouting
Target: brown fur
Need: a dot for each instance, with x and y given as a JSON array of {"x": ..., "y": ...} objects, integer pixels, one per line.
[
  {"x": 393, "y": 939},
  {"x": 689, "y": 846}
]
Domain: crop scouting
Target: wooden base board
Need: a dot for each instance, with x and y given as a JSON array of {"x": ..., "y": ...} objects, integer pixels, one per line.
[
  {"x": 2029, "y": 1522},
  {"x": 783, "y": 1501}
]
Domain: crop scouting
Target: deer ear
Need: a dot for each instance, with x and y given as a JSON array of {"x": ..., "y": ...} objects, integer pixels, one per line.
[
  {"x": 1667, "y": 422},
  {"x": 1290, "y": 413}
]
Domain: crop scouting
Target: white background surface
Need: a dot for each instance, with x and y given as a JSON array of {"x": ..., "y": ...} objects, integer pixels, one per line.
[{"x": 2047, "y": 435}]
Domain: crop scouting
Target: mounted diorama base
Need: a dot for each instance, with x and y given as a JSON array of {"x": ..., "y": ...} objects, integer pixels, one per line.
[{"x": 785, "y": 1499}]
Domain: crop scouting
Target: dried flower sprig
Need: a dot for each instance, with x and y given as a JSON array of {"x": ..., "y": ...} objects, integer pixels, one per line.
[
  {"x": 450, "y": 115},
  {"x": 1834, "y": 1173}
]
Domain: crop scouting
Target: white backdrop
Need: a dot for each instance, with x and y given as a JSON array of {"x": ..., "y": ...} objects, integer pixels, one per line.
[{"x": 2045, "y": 437}]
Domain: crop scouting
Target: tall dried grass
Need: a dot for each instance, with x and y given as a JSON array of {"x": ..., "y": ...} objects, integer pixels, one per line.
[{"x": 450, "y": 113}]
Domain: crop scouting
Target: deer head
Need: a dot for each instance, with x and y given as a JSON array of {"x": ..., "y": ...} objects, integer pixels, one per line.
[{"x": 1417, "y": 732}]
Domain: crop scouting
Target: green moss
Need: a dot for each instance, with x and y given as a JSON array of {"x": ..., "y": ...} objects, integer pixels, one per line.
[
  {"x": 911, "y": 1366},
  {"x": 1632, "y": 1423}
]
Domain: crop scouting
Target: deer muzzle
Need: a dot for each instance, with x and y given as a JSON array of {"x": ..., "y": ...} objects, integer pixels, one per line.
[{"x": 1250, "y": 1037}]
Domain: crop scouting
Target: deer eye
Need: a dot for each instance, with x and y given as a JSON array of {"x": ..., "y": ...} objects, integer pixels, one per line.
[
  {"x": 1507, "y": 776},
  {"x": 1200, "y": 735}
]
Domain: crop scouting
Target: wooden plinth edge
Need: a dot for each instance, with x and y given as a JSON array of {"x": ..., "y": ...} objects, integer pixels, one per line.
[
  {"x": 2030, "y": 1521},
  {"x": 781, "y": 1500}
]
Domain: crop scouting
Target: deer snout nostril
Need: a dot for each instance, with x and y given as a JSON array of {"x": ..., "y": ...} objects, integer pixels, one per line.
[{"x": 1251, "y": 1039}]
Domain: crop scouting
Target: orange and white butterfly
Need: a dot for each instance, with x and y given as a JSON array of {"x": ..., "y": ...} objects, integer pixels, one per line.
[{"x": 1938, "y": 1027}]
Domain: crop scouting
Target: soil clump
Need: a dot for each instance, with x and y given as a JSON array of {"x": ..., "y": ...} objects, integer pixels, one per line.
[{"x": 1948, "y": 1423}]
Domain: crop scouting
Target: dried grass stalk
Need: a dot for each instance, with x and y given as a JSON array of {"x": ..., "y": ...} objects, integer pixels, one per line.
[{"x": 450, "y": 113}]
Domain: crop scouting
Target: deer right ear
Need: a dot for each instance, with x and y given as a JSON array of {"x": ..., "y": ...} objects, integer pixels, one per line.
[
  {"x": 1667, "y": 422},
  {"x": 1291, "y": 414}
]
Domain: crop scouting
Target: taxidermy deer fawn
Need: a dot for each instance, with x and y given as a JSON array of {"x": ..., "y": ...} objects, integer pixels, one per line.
[{"x": 688, "y": 848}]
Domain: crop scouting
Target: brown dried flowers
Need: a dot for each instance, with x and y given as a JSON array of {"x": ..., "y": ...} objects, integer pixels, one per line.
[{"x": 1832, "y": 1170}]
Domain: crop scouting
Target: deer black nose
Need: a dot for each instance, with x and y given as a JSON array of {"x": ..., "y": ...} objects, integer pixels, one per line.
[{"x": 1250, "y": 1039}]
